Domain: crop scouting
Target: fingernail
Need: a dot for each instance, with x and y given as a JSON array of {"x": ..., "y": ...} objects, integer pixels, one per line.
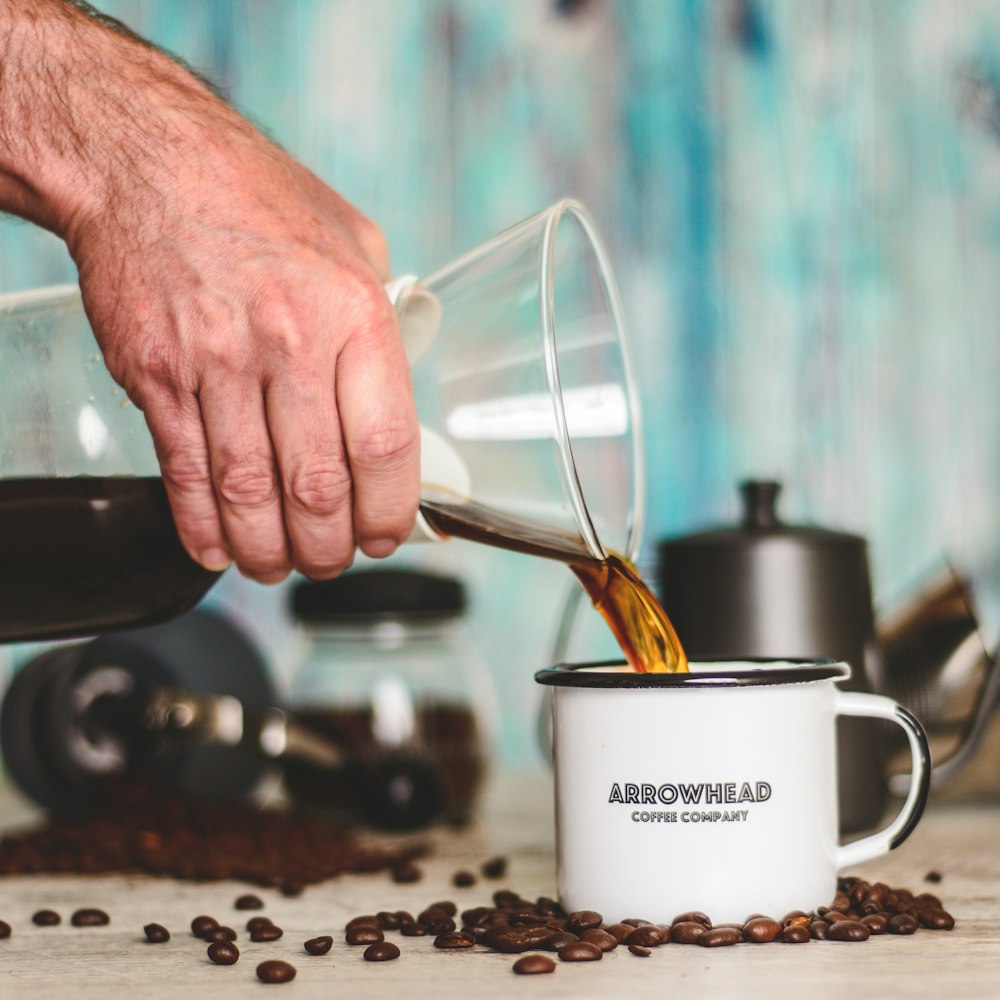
[
  {"x": 378, "y": 548},
  {"x": 215, "y": 560}
]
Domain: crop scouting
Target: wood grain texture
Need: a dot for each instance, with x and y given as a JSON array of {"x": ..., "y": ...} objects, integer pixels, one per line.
[
  {"x": 802, "y": 201},
  {"x": 65, "y": 963}
]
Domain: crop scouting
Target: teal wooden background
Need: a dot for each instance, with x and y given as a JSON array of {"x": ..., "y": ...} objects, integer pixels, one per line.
[{"x": 802, "y": 202}]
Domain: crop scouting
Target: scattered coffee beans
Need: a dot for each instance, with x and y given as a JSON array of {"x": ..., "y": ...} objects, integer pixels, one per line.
[
  {"x": 223, "y": 953},
  {"x": 319, "y": 945},
  {"x": 364, "y": 935},
  {"x": 156, "y": 933},
  {"x": 603, "y": 940},
  {"x": 463, "y": 879},
  {"x": 494, "y": 867},
  {"x": 721, "y": 937},
  {"x": 687, "y": 931},
  {"x": 268, "y": 932},
  {"x": 796, "y": 934},
  {"x": 275, "y": 971},
  {"x": 249, "y": 902},
  {"x": 219, "y": 934},
  {"x": 534, "y": 965},
  {"x": 639, "y": 951},
  {"x": 580, "y": 951},
  {"x": 405, "y": 873},
  {"x": 89, "y": 917},
  {"x": 381, "y": 951},
  {"x": 847, "y": 930},
  {"x": 933, "y": 876},
  {"x": 45, "y": 918},
  {"x": 761, "y": 930},
  {"x": 256, "y": 922},
  {"x": 4, "y": 929},
  {"x": 453, "y": 939},
  {"x": 202, "y": 924}
]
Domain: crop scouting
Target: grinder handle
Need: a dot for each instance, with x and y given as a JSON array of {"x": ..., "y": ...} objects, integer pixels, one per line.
[{"x": 875, "y": 706}]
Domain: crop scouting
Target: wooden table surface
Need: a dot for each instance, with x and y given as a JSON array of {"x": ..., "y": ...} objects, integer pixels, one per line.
[{"x": 960, "y": 841}]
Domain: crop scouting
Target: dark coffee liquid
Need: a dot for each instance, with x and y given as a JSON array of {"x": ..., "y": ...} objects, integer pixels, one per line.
[
  {"x": 619, "y": 593},
  {"x": 86, "y": 554}
]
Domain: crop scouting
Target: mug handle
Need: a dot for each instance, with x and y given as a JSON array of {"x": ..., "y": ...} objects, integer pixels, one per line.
[{"x": 876, "y": 706}]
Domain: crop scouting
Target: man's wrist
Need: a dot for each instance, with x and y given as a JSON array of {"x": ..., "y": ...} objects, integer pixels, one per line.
[{"x": 88, "y": 115}]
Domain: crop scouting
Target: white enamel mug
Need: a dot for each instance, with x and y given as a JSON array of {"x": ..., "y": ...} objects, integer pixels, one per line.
[{"x": 714, "y": 790}]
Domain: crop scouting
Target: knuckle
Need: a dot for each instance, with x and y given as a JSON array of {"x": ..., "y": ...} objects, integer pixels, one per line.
[
  {"x": 184, "y": 472},
  {"x": 247, "y": 483},
  {"x": 319, "y": 488},
  {"x": 387, "y": 445},
  {"x": 327, "y": 564}
]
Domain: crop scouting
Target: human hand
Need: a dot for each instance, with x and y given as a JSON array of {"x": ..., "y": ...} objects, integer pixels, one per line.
[{"x": 237, "y": 299}]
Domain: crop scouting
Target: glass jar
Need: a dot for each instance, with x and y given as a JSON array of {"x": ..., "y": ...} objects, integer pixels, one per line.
[{"x": 390, "y": 676}]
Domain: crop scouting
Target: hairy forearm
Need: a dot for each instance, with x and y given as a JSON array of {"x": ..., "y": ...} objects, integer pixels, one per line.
[{"x": 88, "y": 113}]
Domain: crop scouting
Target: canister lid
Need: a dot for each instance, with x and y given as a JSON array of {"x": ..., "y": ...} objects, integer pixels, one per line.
[{"x": 378, "y": 594}]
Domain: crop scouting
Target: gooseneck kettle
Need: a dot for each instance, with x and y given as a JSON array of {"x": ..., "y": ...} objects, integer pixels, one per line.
[{"x": 767, "y": 589}]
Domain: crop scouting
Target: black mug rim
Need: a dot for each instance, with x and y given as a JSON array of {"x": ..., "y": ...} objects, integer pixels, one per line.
[{"x": 589, "y": 675}]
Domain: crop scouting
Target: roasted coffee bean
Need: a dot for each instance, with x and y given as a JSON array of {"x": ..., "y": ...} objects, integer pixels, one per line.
[
  {"x": 840, "y": 903},
  {"x": 201, "y": 924},
  {"x": 761, "y": 930},
  {"x": 818, "y": 929},
  {"x": 453, "y": 939},
  {"x": 494, "y": 867},
  {"x": 478, "y": 916},
  {"x": 364, "y": 935},
  {"x": 636, "y": 922},
  {"x": 648, "y": 936},
  {"x": 639, "y": 951},
  {"x": 847, "y": 930},
  {"x": 89, "y": 917},
  {"x": 936, "y": 919},
  {"x": 405, "y": 917},
  {"x": 156, "y": 933},
  {"x": 875, "y": 922},
  {"x": 927, "y": 899},
  {"x": 603, "y": 940},
  {"x": 269, "y": 932},
  {"x": 902, "y": 923},
  {"x": 275, "y": 971},
  {"x": 291, "y": 887},
  {"x": 511, "y": 940},
  {"x": 795, "y": 917},
  {"x": 692, "y": 916},
  {"x": 463, "y": 879},
  {"x": 720, "y": 937},
  {"x": 504, "y": 898},
  {"x": 256, "y": 922},
  {"x": 620, "y": 931},
  {"x": 45, "y": 918},
  {"x": 583, "y": 920},
  {"x": 580, "y": 951},
  {"x": 4, "y": 929},
  {"x": 794, "y": 934},
  {"x": 560, "y": 940},
  {"x": 534, "y": 965},
  {"x": 365, "y": 920},
  {"x": 319, "y": 945},
  {"x": 405, "y": 873},
  {"x": 687, "y": 931},
  {"x": 933, "y": 876},
  {"x": 548, "y": 906},
  {"x": 249, "y": 902},
  {"x": 388, "y": 921},
  {"x": 412, "y": 929},
  {"x": 381, "y": 951},
  {"x": 445, "y": 906},
  {"x": 223, "y": 953},
  {"x": 440, "y": 924},
  {"x": 219, "y": 933}
]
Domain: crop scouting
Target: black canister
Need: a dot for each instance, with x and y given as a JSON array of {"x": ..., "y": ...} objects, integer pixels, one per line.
[{"x": 772, "y": 590}]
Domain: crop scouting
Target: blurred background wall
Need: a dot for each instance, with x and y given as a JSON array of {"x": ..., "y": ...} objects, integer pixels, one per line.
[{"x": 802, "y": 204}]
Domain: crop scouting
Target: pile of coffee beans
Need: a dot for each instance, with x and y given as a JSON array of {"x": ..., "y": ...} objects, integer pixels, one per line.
[
  {"x": 144, "y": 828},
  {"x": 514, "y": 925},
  {"x": 517, "y": 926}
]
